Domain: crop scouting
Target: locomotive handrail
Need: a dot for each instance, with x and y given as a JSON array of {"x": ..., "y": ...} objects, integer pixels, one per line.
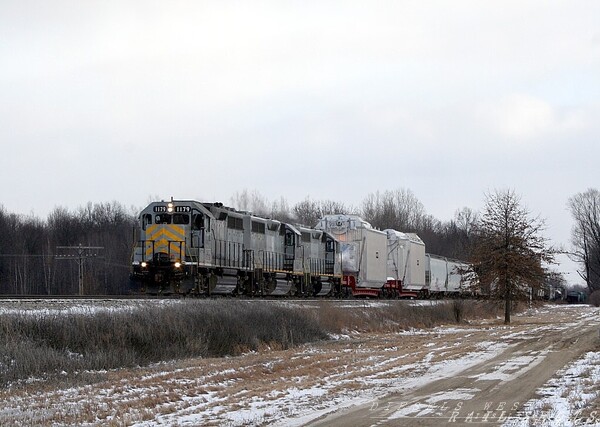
[
  {"x": 272, "y": 261},
  {"x": 321, "y": 266},
  {"x": 249, "y": 258},
  {"x": 232, "y": 255}
]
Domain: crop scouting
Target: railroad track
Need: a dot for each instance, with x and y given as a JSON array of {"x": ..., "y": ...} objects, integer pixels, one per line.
[
  {"x": 86, "y": 297},
  {"x": 15, "y": 297}
]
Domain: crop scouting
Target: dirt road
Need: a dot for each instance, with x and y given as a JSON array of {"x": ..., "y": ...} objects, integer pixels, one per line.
[{"x": 493, "y": 392}]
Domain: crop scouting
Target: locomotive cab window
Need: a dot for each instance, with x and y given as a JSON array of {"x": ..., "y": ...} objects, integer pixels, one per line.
[
  {"x": 289, "y": 239},
  {"x": 146, "y": 221},
  {"x": 162, "y": 219},
  {"x": 329, "y": 246},
  {"x": 198, "y": 222},
  {"x": 199, "y": 225},
  {"x": 181, "y": 219}
]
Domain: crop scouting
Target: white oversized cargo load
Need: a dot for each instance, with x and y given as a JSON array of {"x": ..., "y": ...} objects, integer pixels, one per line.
[
  {"x": 406, "y": 259},
  {"x": 457, "y": 280},
  {"x": 438, "y": 273},
  {"x": 363, "y": 248},
  {"x": 446, "y": 276}
]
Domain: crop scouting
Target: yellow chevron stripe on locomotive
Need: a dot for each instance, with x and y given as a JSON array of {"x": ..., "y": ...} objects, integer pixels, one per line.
[
  {"x": 175, "y": 232},
  {"x": 167, "y": 238}
]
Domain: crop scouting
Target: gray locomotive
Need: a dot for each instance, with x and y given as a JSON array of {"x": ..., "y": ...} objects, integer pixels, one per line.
[{"x": 190, "y": 247}]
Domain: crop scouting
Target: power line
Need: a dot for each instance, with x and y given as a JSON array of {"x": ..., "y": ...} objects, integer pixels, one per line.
[
  {"x": 80, "y": 254},
  {"x": 25, "y": 256}
]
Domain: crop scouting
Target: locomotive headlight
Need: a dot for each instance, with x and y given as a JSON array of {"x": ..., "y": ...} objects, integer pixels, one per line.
[
  {"x": 170, "y": 207},
  {"x": 177, "y": 264},
  {"x": 144, "y": 264}
]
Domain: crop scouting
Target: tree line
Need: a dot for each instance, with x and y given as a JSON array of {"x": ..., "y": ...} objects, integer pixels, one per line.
[
  {"x": 31, "y": 248},
  {"x": 28, "y": 250},
  {"x": 29, "y": 245},
  {"x": 396, "y": 209},
  {"x": 585, "y": 240}
]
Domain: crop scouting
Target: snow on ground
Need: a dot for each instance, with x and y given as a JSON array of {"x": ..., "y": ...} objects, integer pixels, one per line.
[
  {"x": 293, "y": 387},
  {"x": 512, "y": 369},
  {"x": 61, "y": 306},
  {"x": 290, "y": 407},
  {"x": 58, "y": 307},
  {"x": 566, "y": 399},
  {"x": 293, "y": 406}
]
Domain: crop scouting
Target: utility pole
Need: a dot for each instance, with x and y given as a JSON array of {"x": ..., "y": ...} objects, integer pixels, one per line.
[{"x": 80, "y": 254}]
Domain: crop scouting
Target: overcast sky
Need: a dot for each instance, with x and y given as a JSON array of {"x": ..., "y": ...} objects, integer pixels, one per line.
[{"x": 126, "y": 100}]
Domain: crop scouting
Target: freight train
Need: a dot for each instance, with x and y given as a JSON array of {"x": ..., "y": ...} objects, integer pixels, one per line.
[{"x": 196, "y": 248}]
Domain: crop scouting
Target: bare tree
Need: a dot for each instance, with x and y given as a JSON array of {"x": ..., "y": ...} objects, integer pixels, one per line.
[
  {"x": 449, "y": 239},
  {"x": 510, "y": 253},
  {"x": 399, "y": 209},
  {"x": 280, "y": 210},
  {"x": 309, "y": 212},
  {"x": 465, "y": 219},
  {"x": 585, "y": 208},
  {"x": 331, "y": 207},
  {"x": 459, "y": 233},
  {"x": 253, "y": 202}
]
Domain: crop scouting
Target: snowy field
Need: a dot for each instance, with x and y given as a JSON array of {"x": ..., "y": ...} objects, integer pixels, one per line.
[
  {"x": 571, "y": 398},
  {"x": 354, "y": 370},
  {"x": 49, "y": 306},
  {"x": 59, "y": 306}
]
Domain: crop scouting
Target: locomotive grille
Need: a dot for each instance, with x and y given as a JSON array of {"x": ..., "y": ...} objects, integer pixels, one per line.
[{"x": 165, "y": 238}]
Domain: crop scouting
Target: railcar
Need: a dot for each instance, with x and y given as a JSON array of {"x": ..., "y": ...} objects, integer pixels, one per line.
[
  {"x": 437, "y": 274},
  {"x": 446, "y": 277},
  {"x": 363, "y": 253},
  {"x": 406, "y": 262},
  {"x": 191, "y": 247},
  {"x": 390, "y": 263}
]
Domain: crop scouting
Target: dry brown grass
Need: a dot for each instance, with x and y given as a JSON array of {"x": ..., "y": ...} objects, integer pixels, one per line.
[
  {"x": 46, "y": 346},
  {"x": 346, "y": 366}
]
